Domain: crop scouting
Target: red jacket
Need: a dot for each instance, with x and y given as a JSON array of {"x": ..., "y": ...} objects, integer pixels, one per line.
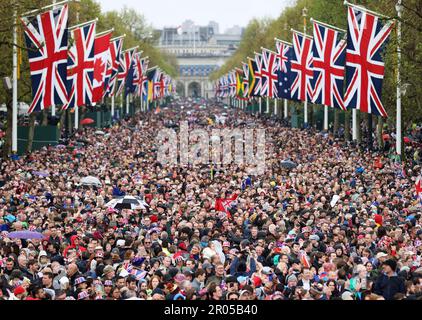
[{"x": 79, "y": 249}]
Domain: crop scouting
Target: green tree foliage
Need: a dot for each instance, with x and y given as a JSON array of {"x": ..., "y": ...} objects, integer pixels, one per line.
[{"x": 262, "y": 32}]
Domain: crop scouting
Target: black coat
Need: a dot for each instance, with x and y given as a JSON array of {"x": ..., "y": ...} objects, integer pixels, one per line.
[{"x": 389, "y": 286}]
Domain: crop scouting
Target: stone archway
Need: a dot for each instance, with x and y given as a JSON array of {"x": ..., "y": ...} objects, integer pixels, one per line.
[
  {"x": 194, "y": 89},
  {"x": 180, "y": 89}
]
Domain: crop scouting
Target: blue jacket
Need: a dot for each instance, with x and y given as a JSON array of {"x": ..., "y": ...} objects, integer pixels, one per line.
[{"x": 389, "y": 286}]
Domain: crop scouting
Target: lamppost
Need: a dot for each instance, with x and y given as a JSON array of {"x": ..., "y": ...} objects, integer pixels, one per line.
[
  {"x": 305, "y": 117},
  {"x": 399, "y": 9}
]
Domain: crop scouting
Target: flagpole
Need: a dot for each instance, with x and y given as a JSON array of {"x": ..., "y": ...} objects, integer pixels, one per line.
[
  {"x": 268, "y": 106},
  {"x": 399, "y": 9},
  {"x": 112, "y": 108},
  {"x": 286, "y": 111},
  {"x": 53, "y": 106},
  {"x": 275, "y": 107},
  {"x": 326, "y": 118},
  {"x": 127, "y": 104},
  {"x": 15, "y": 87},
  {"x": 354, "y": 124},
  {"x": 26, "y": 14},
  {"x": 260, "y": 104},
  {"x": 305, "y": 118},
  {"x": 76, "y": 107}
]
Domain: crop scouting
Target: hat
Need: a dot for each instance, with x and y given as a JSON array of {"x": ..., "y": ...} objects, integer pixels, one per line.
[
  {"x": 381, "y": 255},
  {"x": 19, "y": 290},
  {"x": 42, "y": 254},
  {"x": 226, "y": 244},
  {"x": 98, "y": 248},
  {"x": 207, "y": 265},
  {"x": 243, "y": 292},
  {"x": 107, "y": 269},
  {"x": 267, "y": 270},
  {"x": 99, "y": 255},
  {"x": 108, "y": 283},
  {"x": 83, "y": 295},
  {"x": 292, "y": 278},
  {"x": 178, "y": 296},
  {"x": 120, "y": 243},
  {"x": 257, "y": 282},
  {"x": 314, "y": 237},
  {"x": 79, "y": 280},
  {"x": 242, "y": 279},
  {"x": 391, "y": 263},
  {"x": 180, "y": 277},
  {"x": 347, "y": 295}
]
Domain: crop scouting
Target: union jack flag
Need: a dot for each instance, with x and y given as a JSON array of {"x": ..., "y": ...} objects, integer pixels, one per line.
[
  {"x": 302, "y": 65},
  {"x": 144, "y": 66},
  {"x": 366, "y": 39},
  {"x": 245, "y": 80},
  {"x": 157, "y": 85},
  {"x": 80, "y": 68},
  {"x": 116, "y": 46},
  {"x": 329, "y": 53},
  {"x": 46, "y": 37},
  {"x": 269, "y": 74},
  {"x": 232, "y": 84},
  {"x": 284, "y": 56},
  {"x": 126, "y": 59},
  {"x": 138, "y": 75},
  {"x": 258, "y": 75}
]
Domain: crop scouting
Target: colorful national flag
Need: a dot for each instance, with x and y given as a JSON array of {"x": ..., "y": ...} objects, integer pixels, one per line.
[
  {"x": 284, "y": 57},
  {"x": 329, "y": 54},
  {"x": 46, "y": 37},
  {"x": 126, "y": 59},
  {"x": 116, "y": 46},
  {"x": 366, "y": 39},
  {"x": 102, "y": 52},
  {"x": 269, "y": 74},
  {"x": 80, "y": 68},
  {"x": 302, "y": 68},
  {"x": 223, "y": 205}
]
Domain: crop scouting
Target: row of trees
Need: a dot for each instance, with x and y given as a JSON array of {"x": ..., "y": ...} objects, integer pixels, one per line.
[
  {"x": 127, "y": 21},
  {"x": 262, "y": 32}
]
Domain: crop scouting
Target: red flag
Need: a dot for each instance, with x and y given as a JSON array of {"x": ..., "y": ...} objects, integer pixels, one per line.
[
  {"x": 102, "y": 52},
  {"x": 304, "y": 260},
  {"x": 222, "y": 205}
]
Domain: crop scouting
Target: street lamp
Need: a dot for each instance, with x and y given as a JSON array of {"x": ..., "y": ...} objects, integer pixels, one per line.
[{"x": 399, "y": 9}]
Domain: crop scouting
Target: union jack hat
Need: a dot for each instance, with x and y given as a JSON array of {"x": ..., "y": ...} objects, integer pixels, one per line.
[
  {"x": 83, "y": 295},
  {"x": 108, "y": 283},
  {"x": 79, "y": 280}
]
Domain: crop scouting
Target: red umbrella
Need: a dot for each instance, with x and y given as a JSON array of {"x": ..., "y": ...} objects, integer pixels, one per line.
[
  {"x": 386, "y": 137},
  {"x": 87, "y": 121},
  {"x": 407, "y": 140}
]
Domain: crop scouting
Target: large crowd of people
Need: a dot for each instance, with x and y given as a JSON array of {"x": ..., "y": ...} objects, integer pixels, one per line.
[{"x": 342, "y": 224}]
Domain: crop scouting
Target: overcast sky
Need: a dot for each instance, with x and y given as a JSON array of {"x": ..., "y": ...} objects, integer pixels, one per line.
[{"x": 227, "y": 13}]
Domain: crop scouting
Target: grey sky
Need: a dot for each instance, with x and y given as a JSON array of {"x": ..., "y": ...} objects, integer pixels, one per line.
[{"x": 226, "y": 12}]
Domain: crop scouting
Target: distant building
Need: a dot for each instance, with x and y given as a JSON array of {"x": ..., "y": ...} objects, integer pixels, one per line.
[{"x": 200, "y": 50}]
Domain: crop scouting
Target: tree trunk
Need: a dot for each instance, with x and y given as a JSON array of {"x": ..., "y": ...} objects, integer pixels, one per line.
[
  {"x": 31, "y": 132},
  {"x": 8, "y": 138},
  {"x": 336, "y": 121},
  {"x": 379, "y": 132},
  {"x": 347, "y": 126}
]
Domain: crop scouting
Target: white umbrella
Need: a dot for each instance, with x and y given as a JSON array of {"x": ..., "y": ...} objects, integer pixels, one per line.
[
  {"x": 127, "y": 202},
  {"x": 99, "y": 132},
  {"x": 91, "y": 181}
]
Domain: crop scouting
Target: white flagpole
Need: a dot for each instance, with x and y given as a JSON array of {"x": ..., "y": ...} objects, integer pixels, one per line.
[
  {"x": 398, "y": 116},
  {"x": 112, "y": 108},
  {"x": 260, "y": 104},
  {"x": 326, "y": 118},
  {"x": 275, "y": 107},
  {"x": 354, "y": 124},
  {"x": 127, "y": 104},
  {"x": 286, "y": 111},
  {"x": 76, "y": 117},
  {"x": 15, "y": 88},
  {"x": 305, "y": 118},
  {"x": 268, "y": 105},
  {"x": 53, "y": 106}
]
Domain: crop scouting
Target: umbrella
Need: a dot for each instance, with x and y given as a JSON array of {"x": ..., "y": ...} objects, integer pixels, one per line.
[
  {"x": 288, "y": 164},
  {"x": 42, "y": 174},
  {"x": 90, "y": 181},
  {"x": 87, "y": 121},
  {"x": 127, "y": 202},
  {"x": 61, "y": 146},
  {"x": 407, "y": 140},
  {"x": 99, "y": 132},
  {"x": 25, "y": 235}
]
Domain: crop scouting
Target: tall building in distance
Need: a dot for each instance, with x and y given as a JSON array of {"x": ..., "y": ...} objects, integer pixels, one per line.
[{"x": 200, "y": 50}]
